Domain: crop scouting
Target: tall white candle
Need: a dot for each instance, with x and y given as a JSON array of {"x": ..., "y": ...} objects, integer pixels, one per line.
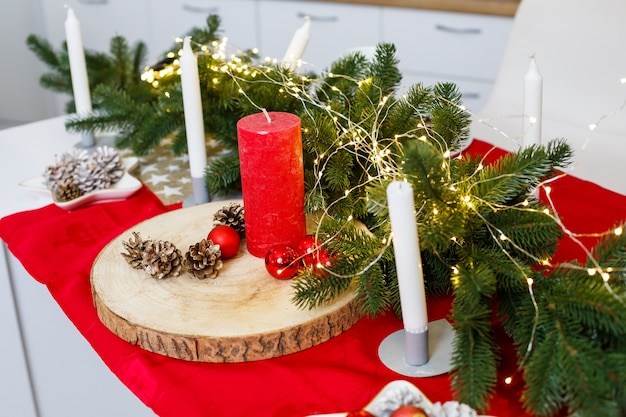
[
  {"x": 408, "y": 257},
  {"x": 194, "y": 121},
  {"x": 78, "y": 68},
  {"x": 533, "y": 97},
  {"x": 298, "y": 44},
  {"x": 409, "y": 270},
  {"x": 78, "y": 71}
]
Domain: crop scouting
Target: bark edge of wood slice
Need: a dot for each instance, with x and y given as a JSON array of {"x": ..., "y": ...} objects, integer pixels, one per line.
[{"x": 242, "y": 315}]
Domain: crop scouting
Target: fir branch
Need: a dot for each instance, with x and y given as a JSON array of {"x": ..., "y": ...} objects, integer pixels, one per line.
[
  {"x": 223, "y": 175},
  {"x": 43, "y": 50},
  {"x": 475, "y": 353},
  {"x": 542, "y": 394}
]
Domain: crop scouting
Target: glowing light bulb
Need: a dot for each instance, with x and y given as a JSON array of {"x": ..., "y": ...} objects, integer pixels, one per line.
[
  {"x": 618, "y": 231},
  {"x": 591, "y": 271},
  {"x": 606, "y": 277},
  {"x": 530, "y": 282},
  {"x": 502, "y": 236}
]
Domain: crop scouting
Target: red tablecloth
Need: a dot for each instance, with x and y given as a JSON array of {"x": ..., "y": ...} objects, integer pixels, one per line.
[{"x": 58, "y": 248}]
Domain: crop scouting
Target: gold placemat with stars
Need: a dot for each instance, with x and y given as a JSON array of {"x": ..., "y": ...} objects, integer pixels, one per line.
[{"x": 166, "y": 174}]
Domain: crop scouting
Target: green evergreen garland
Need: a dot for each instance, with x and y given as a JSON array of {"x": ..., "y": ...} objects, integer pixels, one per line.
[{"x": 482, "y": 235}]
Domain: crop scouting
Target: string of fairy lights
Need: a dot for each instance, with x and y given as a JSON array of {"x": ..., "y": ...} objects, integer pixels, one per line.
[{"x": 355, "y": 138}]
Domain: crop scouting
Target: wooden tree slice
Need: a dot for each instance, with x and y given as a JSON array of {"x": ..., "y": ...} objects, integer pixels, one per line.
[{"x": 243, "y": 315}]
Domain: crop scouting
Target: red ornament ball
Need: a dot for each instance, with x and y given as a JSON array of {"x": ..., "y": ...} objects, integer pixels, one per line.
[
  {"x": 227, "y": 238},
  {"x": 282, "y": 262},
  {"x": 312, "y": 253},
  {"x": 307, "y": 246}
]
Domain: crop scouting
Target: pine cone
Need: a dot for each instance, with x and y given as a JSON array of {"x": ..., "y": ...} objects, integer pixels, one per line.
[
  {"x": 64, "y": 166},
  {"x": 66, "y": 190},
  {"x": 89, "y": 176},
  {"x": 109, "y": 160},
  {"x": 135, "y": 247},
  {"x": 161, "y": 259},
  {"x": 203, "y": 260},
  {"x": 231, "y": 215}
]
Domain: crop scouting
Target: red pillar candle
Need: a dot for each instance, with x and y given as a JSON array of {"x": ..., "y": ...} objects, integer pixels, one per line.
[{"x": 272, "y": 180}]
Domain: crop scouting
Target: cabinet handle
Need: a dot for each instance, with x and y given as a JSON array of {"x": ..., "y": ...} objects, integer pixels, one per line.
[
  {"x": 471, "y": 95},
  {"x": 92, "y": 2},
  {"x": 459, "y": 31},
  {"x": 302, "y": 15},
  {"x": 198, "y": 9}
]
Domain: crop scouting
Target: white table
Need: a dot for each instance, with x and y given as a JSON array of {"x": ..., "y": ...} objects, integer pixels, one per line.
[{"x": 47, "y": 369}]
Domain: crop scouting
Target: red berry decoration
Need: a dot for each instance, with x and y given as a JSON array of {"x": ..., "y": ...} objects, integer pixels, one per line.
[
  {"x": 360, "y": 413},
  {"x": 227, "y": 238},
  {"x": 282, "y": 262},
  {"x": 408, "y": 411}
]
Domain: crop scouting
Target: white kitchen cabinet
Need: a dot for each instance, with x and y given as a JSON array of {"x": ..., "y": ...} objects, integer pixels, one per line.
[
  {"x": 335, "y": 28},
  {"x": 170, "y": 19},
  {"x": 44, "y": 350},
  {"x": 16, "y": 396},
  {"x": 23, "y": 99},
  {"x": 445, "y": 46}
]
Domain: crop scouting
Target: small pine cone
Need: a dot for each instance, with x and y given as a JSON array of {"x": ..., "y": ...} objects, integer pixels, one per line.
[
  {"x": 161, "y": 259},
  {"x": 134, "y": 250},
  {"x": 54, "y": 174},
  {"x": 66, "y": 190},
  {"x": 231, "y": 215},
  {"x": 91, "y": 177},
  {"x": 64, "y": 166},
  {"x": 109, "y": 160},
  {"x": 203, "y": 260}
]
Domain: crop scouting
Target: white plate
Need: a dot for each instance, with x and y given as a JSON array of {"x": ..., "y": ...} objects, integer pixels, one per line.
[
  {"x": 124, "y": 188},
  {"x": 396, "y": 392}
]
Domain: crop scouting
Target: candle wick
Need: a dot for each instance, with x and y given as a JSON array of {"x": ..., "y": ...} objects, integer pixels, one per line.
[{"x": 267, "y": 116}]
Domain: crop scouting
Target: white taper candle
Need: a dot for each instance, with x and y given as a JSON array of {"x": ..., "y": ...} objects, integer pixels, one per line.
[
  {"x": 78, "y": 70},
  {"x": 409, "y": 270},
  {"x": 298, "y": 44},
  {"x": 194, "y": 120},
  {"x": 533, "y": 97},
  {"x": 78, "y": 67}
]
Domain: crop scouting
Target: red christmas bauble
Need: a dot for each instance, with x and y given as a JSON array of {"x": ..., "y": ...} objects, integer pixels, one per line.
[
  {"x": 282, "y": 262},
  {"x": 307, "y": 246},
  {"x": 313, "y": 255},
  {"x": 227, "y": 238}
]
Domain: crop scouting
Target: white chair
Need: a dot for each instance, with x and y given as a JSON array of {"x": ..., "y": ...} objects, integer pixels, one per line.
[{"x": 580, "y": 49}]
